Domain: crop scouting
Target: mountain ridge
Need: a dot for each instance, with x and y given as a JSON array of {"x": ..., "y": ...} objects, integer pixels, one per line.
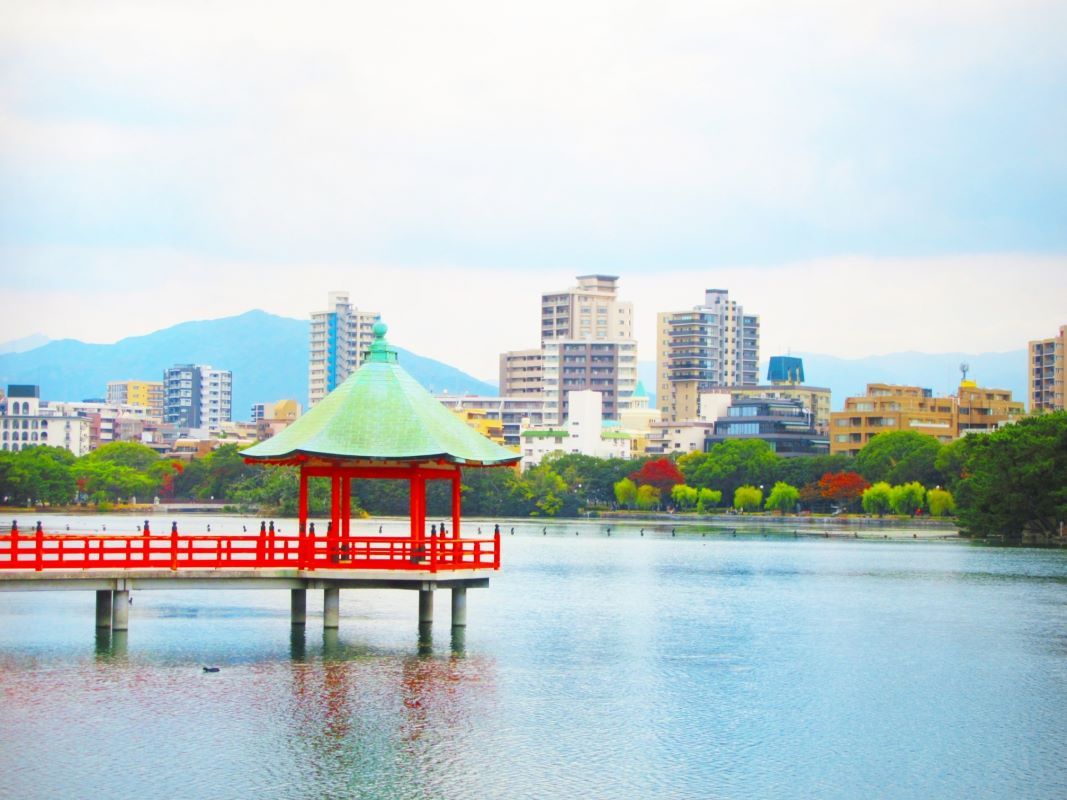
[{"x": 267, "y": 353}]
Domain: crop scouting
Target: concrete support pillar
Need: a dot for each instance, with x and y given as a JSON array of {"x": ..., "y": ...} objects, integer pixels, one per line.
[
  {"x": 103, "y": 608},
  {"x": 425, "y": 606},
  {"x": 298, "y": 606},
  {"x": 459, "y": 607},
  {"x": 120, "y": 610},
  {"x": 331, "y": 607}
]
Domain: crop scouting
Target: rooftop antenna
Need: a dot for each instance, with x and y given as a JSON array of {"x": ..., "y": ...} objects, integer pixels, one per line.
[{"x": 964, "y": 369}]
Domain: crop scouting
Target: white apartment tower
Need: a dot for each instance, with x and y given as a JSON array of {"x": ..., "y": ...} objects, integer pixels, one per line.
[{"x": 340, "y": 336}]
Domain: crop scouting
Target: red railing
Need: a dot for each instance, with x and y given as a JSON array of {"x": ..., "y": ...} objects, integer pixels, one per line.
[{"x": 37, "y": 550}]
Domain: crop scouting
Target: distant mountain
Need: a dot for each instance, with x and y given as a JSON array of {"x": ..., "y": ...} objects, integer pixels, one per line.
[
  {"x": 267, "y": 354},
  {"x": 848, "y": 377},
  {"x": 24, "y": 344}
]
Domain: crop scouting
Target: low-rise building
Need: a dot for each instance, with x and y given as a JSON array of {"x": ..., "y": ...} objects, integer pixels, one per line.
[
  {"x": 584, "y": 432},
  {"x": 26, "y": 421},
  {"x": 888, "y": 407},
  {"x": 784, "y": 424},
  {"x": 510, "y": 411}
]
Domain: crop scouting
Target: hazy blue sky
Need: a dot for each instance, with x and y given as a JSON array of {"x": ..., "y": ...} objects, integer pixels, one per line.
[{"x": 868, "y": 177}]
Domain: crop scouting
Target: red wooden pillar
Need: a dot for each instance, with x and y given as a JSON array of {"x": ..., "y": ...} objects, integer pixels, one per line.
[
  {"x": 456, "y": 491},
  {"x": 457, "y": 548},
  {"x": 418, "y": 514},
  {"x": 335, "y": 516},
  {"x": 302, "y": 529},
  {"x": 346, "y": 514},
  {"x": 303, "y": 512}
]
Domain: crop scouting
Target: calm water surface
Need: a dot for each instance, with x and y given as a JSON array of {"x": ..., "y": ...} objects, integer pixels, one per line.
[{"x": 623, "y": 667}]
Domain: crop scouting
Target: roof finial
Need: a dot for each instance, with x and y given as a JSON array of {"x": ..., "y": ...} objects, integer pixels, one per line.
[{"x": 379, "y": 349}]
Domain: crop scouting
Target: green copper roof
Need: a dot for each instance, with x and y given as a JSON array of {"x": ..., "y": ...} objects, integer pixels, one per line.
[{"x": 381, "y": 413}]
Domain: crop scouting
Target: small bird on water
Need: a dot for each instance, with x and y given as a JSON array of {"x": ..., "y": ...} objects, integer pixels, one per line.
[{"x": 211, "y": 669}]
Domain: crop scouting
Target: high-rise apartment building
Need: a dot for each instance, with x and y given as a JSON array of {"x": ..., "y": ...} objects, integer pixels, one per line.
[
  {"x": 607, "y": 367},
  {"x": 1046, "y": 372},
  {"x": 340, "y": 336},
  {"x": 590, "y": 310},
  {"x": 586, "y": 344},
  {"x": 197, "y": 396},
  {"x": 712, "y": 345},
  {"x": 147, "y": 394}
]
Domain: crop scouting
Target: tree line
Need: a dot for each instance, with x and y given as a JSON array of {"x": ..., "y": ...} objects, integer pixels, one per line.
[{"x": 1004, "y": 483}]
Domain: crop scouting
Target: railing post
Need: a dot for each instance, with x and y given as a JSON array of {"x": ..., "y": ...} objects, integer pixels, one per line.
[
  {"x": 144, "y": 551},
  {"x": 14, "y": 542},
  {"x": 261, "y": 543},
  {"x": 496, "y": 549},
  {"x": 39, "y": 547},
  {"x": 433, "y": 552},
  {"x": 174, "y": 546},
  {"x": 308, "y": 548}
]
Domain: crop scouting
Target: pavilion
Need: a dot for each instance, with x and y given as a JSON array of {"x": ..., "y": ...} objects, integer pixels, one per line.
[{"x": 381, "y": 424}]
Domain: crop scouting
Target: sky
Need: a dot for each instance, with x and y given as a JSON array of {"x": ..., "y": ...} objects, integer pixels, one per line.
[{"x": 868, "y": 177}]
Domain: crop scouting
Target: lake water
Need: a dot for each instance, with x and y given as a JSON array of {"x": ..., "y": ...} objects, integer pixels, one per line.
[{"x": 593, "y": 667}]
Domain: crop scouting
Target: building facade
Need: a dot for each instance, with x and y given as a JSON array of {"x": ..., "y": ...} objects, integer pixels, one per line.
[
  {"x": 586, "y": 344},
  {"x": 887, "y": 407},
  {"x": 511, "y": 412},
  {"x": 147, "y": 394},
  {"x": 197, "y": 396},
  {"x": 785, "y": 424},
  {"x": 589, "y": 311},
  {"x": 714, "y": 344},
  {"x": 522, "y": 373},
  {"x": 340, "y": 336},
  {"x": 27, "y": 422},
  {"x": 1045, "y": 373},
  {"x": 583, "y": 432},
  {"x": 608, "y": 368}
]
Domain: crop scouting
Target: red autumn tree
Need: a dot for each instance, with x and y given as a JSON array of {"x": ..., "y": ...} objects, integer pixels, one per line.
[
  {"x": 662, "y": 473},
  {"x": 842, "y": 487}
]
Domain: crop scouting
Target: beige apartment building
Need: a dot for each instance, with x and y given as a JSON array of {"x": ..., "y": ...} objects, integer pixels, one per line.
[
  {"x": 712, "y": 345},
  {"x": 522, "y": 373},
  {"x": 589, "y": 311},
  {"x": 887, "y": 407},
  {"x": 1046, "y": 372}
]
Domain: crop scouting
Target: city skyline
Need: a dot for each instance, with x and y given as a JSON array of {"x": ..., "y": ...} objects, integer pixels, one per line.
[{"x": 897, "y": 171}]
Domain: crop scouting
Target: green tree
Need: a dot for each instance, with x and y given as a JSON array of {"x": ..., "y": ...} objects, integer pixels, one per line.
[
  {"x": 684, "y": 497},
  {"x": 783, "y": 498},
  {"x": 1013, "y": 481},
  {"x": 876, "y": 498},
  {"x": 899, "y": 457},
  {"x": 729, "y": 464},
  {"x": 37, "y": 475},
  {"x": 625, "y": 492},
  {"x": 647, "y": 497},
  {"x": 940, "y": 502},
  {"x": 133, "y": 455},
  {"x": 545, "y": 489},
  {"x": 708, "y": 498},
  {"x": 748, "y": 498},
  {"x": 907, "y": 498}
]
